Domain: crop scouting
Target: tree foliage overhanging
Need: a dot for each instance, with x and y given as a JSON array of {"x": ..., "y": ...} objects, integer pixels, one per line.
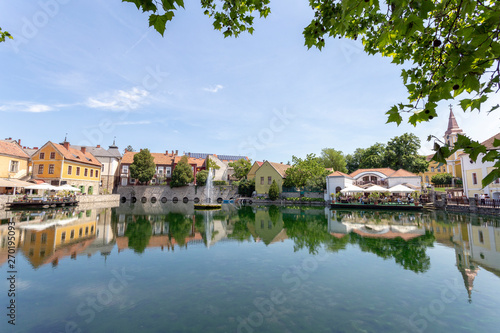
[{"x": 449, "y": 48}]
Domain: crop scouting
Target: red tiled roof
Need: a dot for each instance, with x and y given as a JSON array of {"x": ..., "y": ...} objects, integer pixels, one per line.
[
  {"x": 281, "y": 168},
  {"x": 339, "y": 174},
  {"x": 12, "y": 149},
  {"x": 429, "y": 157},
  {"x": 163, "y": 159},
  {"x": 489, "y": 143},
  {"x": 385, "y": 171},
  {"x": 403, "y": 173},
  {"x": 72, "y": 154},
  {"x": 259, "y": 163}
]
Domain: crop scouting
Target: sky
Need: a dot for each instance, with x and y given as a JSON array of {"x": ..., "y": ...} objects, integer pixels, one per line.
[{"x": 94, "y": 71}]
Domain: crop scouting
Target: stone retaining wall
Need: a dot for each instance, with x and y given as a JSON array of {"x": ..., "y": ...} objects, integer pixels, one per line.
[
  {"x": 306, "y": 194},
  {"x": 98, "y": 198},
  {"x": 224, "y": 192}
]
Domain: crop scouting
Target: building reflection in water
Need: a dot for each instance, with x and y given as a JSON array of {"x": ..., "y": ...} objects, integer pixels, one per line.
[{"x": 48, "y": 236}]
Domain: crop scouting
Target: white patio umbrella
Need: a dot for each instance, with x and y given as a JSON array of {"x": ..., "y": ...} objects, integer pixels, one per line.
[
  {"x": 67, "y": 187},
  {"x": 375, "y": 188},
  {"x": 351, "y": 189},
  {"x": 400, "y": 189},
  {"x": 42, "y": 186}
]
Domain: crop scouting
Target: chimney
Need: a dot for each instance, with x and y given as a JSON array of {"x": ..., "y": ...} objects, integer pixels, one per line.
[
  {"x": 166, "y": 152},
  {"x": 84, "y": 150},
  {"x": 19, "y": 142},
  {"x": 35, "y": 147},
  {"x": 176, "y": 152},
  {"x": 98, "y": 146},
  {"x": 66, "y": 145},
  {"x": 9, "y": 139}
]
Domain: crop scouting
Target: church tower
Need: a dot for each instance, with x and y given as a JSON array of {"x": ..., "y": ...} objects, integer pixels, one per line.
[
  {"x": 450, "y": 136},
  {"x": 453, "y": 165}
]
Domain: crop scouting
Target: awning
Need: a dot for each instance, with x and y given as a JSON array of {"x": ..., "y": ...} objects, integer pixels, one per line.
[
  {"x": 400, "y": 189},
  {"x": 351, "y": 189},
  {"x": 376, "y": 188}
]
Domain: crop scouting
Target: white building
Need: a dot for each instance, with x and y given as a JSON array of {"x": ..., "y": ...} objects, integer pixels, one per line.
[{"x": 474, "y": 172}]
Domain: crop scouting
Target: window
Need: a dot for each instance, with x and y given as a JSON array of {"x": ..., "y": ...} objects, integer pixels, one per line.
[
  {"x": 432, "y": 169},
  {"x": 40, "y": 169},
  {"x": 481, "y": 237},
  {"x": 97, "y": 174},
  {"x": 42, "y": 253},
  {"x": 168, "y": 171},
  {"x": 153, "y": 181},
  {"x": 53, "y": 156},
  {"x": 70, "y": 169},
  {"x": 63, "y": 236},
  {"x": 125, "y": 169},
  {"x": 426, "y": 179},
  {"x": 261, "y": 180},
  {"x": 78, "y": 171},
  {"x": 42, "y": 156},
  {"x": 51, "y": 169},
  {"x": 86, "y": 231},
  {"x": 72, "y": 234},
  {"x": 80, "y": 232},
  {"x": 124, "y": 181},
  {"x": 14, "y": 166},
  {"x": 91, "y": 172},
  {"x": 44, "y": 238},
  {"x": 269, "y": 224},
  {"x": 132, "y": 181},
  {"x": 33, "y": 238},
  {"x": 269, "y": 180},
  {"x": 497, "y": 181},
  {"x": 92, "y": 229},
  {"x": 86, "y": 172},
  {"x": 439, "y": 169},
  {"x": 474, "y": 178}
]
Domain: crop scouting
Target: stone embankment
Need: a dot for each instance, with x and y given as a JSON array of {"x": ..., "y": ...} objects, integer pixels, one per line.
[{"x": 164, "y": 194}]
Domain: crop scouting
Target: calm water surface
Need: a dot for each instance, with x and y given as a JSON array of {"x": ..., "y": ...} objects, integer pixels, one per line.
[{"x": 167, "y": 268}]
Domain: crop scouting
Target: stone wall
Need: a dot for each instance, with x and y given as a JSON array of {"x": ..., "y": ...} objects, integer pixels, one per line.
[
  {"x": 191, "y": 192},
  {"x": 306, "y": 194},
  {"x": 82, "y": 199}
]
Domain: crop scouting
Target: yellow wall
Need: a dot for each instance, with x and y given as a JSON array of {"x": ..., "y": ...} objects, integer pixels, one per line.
[
  {"x": 265, "y": 171},
  {"x": 474, "y": 187},
  {"x": 486, "y": 237},
  {"x": 58, "y": 162},
  {"x": 252, "y": 171},
  {"x": 429, "y": 173},
  {"x": 5, "y": 167}
]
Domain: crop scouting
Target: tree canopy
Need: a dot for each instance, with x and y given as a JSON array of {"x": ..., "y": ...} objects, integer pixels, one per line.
[
  {"x": 449, "y": 49},
  {"x": 143, "y": 168},
  {"x": 308, "y": 172},
  {"x": 241, "y": 168},
  {"x": 182, "y": 174},
  {"x": 335, "y": 159},
  {"x": 201, "y": 177}
]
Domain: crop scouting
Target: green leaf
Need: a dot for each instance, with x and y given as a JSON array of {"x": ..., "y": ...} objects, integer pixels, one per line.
[
  {"x": 394, "y": 116},
  {"x": 159, "y": 22}
]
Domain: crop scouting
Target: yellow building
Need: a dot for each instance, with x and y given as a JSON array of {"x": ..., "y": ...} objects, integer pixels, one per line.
[
  {"x": 268, "y": 172},
  {"x": 55, "y": 242},
  {"x": 251, "y": 173},
  {"x": 60, "y": 164},
  {"x": 453, "y": 163},
  {"x": 13, "y": 160}
]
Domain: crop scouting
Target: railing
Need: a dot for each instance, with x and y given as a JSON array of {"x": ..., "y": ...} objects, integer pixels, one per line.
[
  {"x": 458, "y": 201},
  {"x": 374, "y": 182},
  {"x": 493, "y": 203}
]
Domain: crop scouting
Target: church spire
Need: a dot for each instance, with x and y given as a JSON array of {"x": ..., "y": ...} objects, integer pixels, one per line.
[{"x": 452, "y": 124}]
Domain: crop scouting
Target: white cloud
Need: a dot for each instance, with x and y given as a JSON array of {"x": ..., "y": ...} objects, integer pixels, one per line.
[
  {"x": 214, "y": 89},
  {"x": 140, "y": 122},
  {"x": 119, "y": 100},
  {"x": 26, "y": 107}
]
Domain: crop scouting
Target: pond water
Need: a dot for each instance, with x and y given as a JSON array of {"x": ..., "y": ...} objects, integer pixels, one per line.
[{"x": 168, "y": 268}]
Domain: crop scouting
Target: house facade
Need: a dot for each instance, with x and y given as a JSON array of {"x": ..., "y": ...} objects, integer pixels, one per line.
[
  {"x": 13, "y": 160},
  {"x": 255, "y": 166},
  {"x": 268, "y": 172},
  {"x": 364, "y": 178},
  {"x": 60, "y": 164},
  {"x": 474, "y": 172},
  {"x": 165, "y": 164},
  {"x": 110, "y": 159}
]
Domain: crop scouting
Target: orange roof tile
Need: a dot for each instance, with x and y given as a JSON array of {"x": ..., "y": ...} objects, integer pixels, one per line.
[
  {"x": 403, "y": 173},
  {"x": 489, "y": 143},
  {"x": 281, "y": 168},
  {"x": 72, "y": 154},
  {"x": 339, "y": 173},
  {"x": 385, "y": 171},
  {"x": 163, "y": 159},
  {"x": 12, "y": 149}
]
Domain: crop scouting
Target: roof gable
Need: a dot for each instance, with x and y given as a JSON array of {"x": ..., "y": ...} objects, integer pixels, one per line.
[
  {"x": 402, "y": 173},
  {"x": 12, "y": 149},
  {"x": 489, "y": 143},
  {"x": 339, "y": 174},
  {"x": 385, "y": 171}
]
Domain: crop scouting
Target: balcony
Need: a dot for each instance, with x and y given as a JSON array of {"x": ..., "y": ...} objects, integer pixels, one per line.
[{"x": 372, "y": 182}]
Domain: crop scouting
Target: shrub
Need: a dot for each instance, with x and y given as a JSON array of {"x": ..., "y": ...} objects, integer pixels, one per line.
[
  {"x": 274, "y": 191},
  {"x": 220, "y": 182}
]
